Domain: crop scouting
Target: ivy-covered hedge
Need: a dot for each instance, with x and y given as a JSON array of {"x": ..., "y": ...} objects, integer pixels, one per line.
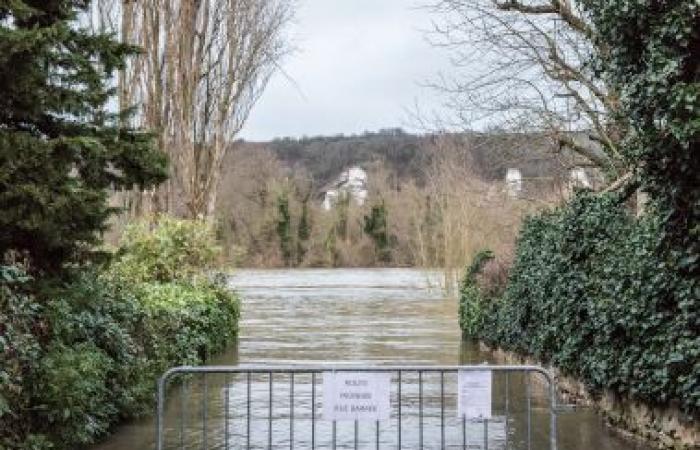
[
  {"x": 78, "y": 356},
  {"x": 590, "y": 294}
]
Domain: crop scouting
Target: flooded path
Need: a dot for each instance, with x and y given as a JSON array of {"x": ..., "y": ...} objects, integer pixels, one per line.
[{"x": 363, "y": 316}]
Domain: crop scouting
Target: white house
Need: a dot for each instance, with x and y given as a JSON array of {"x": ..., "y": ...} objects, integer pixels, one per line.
[
  {"x": 352, "y": 182},
  {"x": 514, "y": 182}
]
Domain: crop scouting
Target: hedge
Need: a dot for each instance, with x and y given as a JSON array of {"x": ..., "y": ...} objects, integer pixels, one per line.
[
  {"x": 76, "y": 364},
  {"x": 590, "y": 293},
  {"x": 79, "y": 356}
]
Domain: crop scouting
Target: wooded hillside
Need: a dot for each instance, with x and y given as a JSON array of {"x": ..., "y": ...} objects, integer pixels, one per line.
[{"x": 271, "y": 193}]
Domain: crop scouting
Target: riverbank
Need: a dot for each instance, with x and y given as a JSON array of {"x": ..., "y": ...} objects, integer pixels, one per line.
[
  {"x": 591, "y": 295},
  {"x": 667, "y": 427},
  {"x": 80, "y": 354},
  {"x": 358, "y": 316}
]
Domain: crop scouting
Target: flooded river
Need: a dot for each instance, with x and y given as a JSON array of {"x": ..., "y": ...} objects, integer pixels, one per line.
[{"x": 360, "y": 316}]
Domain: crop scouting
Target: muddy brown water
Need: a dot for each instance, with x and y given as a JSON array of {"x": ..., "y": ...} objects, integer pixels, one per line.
[{"x": 358, "y": 316}]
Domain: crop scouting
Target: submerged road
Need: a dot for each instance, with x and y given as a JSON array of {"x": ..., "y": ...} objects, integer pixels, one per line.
[{"x": 360, "y": 316}]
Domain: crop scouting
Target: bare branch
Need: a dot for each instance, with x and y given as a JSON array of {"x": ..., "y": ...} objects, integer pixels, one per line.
[
  {"x": 559, "y": 7},
  {"x": 204, "y": 66},
  {"x": 523, "y": 68}
]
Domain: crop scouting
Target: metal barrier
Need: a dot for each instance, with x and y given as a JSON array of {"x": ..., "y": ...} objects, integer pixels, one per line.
[{"x": 266, "y": 407}]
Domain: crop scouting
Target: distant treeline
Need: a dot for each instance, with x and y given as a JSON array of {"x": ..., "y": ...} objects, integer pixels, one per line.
[
  {"x": 431, "y": 198},
  {"x": 324, "y": 157},
  {"x": 408, "y": 156}
]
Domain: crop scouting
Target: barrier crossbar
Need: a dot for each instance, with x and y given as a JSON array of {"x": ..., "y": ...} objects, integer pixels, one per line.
[{"x": 275, "y": 407}]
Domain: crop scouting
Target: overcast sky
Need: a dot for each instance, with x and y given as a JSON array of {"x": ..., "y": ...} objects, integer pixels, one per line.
[{"x": 359, "y": 66}]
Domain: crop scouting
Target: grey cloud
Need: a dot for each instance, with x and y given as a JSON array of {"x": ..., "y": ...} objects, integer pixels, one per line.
[{"x": 359, "y": 66}]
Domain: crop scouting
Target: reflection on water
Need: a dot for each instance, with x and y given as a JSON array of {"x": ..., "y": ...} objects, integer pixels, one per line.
[{"x": 363, "y": 316}]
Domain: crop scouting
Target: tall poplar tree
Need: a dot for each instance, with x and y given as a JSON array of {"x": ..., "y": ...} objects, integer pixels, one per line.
[{"x": 61, "y": 144}]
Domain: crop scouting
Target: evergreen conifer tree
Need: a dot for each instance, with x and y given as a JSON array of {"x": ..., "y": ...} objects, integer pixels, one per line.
[
  {"x": 284, "y": 227},
  {"x": 61, "y": 148},
  {"x": 377, "y": 228}
]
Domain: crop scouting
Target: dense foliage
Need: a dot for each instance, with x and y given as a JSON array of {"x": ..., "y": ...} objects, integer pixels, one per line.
[
  {"x": 60, "y": 147},
  {"x": 590, "y": 293},
  {"x": 165, "y": 249},
  {"x": 649, "y": 52},
  {"x": 77, "y": 357},
  {"x": 606, "y": 296},
  {"x": 284, "y": 228},
  {"x": 377, "y": 228},
  {"x": 473, "y": 297}
]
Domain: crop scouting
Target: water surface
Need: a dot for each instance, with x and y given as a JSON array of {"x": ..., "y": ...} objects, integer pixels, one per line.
[{"x": 360, "y": 316}]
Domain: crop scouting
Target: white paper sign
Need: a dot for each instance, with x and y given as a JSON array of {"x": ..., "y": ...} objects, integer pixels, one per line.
[
  {"x": 362, "y": 396},
  {"x": 474, "y": 394}
]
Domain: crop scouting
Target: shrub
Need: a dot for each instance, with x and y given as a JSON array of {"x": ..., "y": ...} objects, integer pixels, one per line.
[
  {"x": 591, "y": 293},
  {"x": 166, "y": 249},
  {"x": 111, "y": 317},
  {"x": 184, "y": 323},
  {"x": 472, "y": 299},
  {"x": 73, "y": 394},
  {"x": 20, "y": 348},
  {"x": 77, "y": 357}
]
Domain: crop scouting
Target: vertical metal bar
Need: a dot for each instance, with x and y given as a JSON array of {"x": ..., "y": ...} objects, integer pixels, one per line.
[
  {"x": 528, "y": 395},
  {"x": 442, "y": 409},
  {"x": 183, "y": 396},
  {"x": 247, "y": 433},
  {"x": 553, "y": 414},
  {"x": 204, "y": 411},
  {"x": 291, "y": 411},
  {"x": 159, "y": 412},
  {"x": 356, "y": 433},
  {"x": 377, "y": 434},
  {"x": 486, "y": 434},
  {"x": 313, "y": 410},
  {"x": 464, "y": 432},
  {"x": 399, "y": 408},
  {"x": 269, "y": 416},
  {"x": 420, "y": 409},
  {"x": 334, "y": 435},
  {"x": 507, "y": 408},
  {"x": 226, "y": 410}
]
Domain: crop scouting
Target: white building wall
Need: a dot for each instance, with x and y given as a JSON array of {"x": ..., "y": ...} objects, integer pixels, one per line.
[
  {"x": 353, "y": 182},
  {"x": 514, "y": 182}
]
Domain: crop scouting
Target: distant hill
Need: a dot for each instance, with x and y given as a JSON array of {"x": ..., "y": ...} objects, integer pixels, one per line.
[
  {"x": 280, "y": 204},
  {"x": 324, "y": 157},
  {"x": 406, "y": 155}
]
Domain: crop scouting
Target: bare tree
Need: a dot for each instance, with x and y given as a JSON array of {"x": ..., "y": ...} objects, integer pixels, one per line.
[
  {"x": 204, "y": 65},
  {"x": 523, "y": 65}
]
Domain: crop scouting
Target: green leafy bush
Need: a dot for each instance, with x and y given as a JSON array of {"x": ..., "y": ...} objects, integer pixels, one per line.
[
  {"x": 184, "y": 323},
  {"x": 20, "y": 348},
  {"x": 94, "y": 310},
  {"x": 73, "y": 393},
  {"x": 472, "y": 298},
  {"x": 591, "y": 293},
  {"x": 165, "y": 250},
  {"x": 76, "y": 357}
]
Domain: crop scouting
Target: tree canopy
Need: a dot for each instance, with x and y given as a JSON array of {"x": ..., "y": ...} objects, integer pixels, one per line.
[
  {"x": 650, "y": 53},
  {"x": 61, "y": 144}
]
